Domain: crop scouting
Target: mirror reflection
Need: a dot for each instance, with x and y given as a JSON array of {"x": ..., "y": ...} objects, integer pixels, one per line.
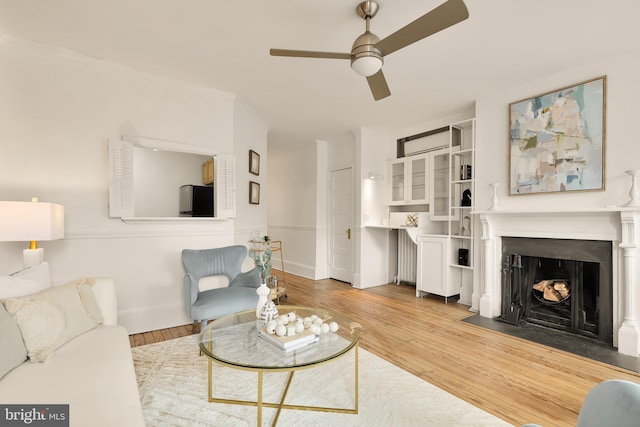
[{"x": 172, "y": 184}]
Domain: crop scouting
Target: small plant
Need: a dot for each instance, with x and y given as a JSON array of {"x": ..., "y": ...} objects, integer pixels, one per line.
[{"x": 262, "y": 258}]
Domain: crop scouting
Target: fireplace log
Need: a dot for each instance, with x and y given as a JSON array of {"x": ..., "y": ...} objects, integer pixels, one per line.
[
  {"x": 562, "y": 288},
  {"x": 541, "y": 285},
  {"x": 551, "y": 294},
  {"x": 553, "y": 290}
]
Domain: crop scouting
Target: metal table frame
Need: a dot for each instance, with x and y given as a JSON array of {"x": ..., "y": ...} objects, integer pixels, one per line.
[{"x": 259, "y": 402}]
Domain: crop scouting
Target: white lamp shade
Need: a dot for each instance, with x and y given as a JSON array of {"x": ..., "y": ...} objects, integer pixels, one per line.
[
  {"x": 366, "y": 65},
  {"x": 27, "y": 221}
]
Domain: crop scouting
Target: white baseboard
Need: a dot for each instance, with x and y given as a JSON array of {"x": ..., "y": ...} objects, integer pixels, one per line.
[
  {"x": 306, "y": 271},
  {"x": 147, "y": 319}
]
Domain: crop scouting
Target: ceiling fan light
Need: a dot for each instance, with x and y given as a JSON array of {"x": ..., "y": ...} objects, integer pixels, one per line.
[{"x": 366, "y": 65}]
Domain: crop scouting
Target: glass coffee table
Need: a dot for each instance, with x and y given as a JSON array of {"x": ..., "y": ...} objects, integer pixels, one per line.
[{"x": 233, "y": 341}]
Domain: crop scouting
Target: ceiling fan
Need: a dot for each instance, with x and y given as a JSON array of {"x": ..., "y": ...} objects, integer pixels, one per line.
[{"x": 368, "y": 51}]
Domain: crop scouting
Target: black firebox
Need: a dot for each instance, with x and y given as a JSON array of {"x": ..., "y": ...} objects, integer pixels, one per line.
[{"x": 559, "y": 283}]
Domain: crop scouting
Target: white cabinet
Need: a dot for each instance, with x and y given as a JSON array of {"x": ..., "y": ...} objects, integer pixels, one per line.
[
  {"x": 441, "y": 194},
  {"x": 409, "y": 180},
  {"x": 434, "y": 274},
  {"x": 446, "y": 262},
  {"x": 398, "y": 178}
]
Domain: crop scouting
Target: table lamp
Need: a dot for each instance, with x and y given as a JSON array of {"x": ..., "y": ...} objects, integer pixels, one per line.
[{"x": 31, "y": 221}]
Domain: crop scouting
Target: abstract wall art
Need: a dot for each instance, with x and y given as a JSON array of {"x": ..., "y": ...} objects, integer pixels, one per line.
[{"x": 557, "y": 140}]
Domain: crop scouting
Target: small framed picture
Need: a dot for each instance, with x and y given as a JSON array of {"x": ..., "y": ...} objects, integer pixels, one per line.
[
  {"x": 254, "y": 162},
  {"x": 254, "y": 193}
]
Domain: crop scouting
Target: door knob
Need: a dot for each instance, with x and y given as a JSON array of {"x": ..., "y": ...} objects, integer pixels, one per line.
[{"x": 348, "y": 234}]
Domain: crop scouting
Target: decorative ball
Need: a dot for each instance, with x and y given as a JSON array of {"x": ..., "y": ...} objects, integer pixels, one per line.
[
  {"x": 324, "y": 328},
  {"x": 292, "y": 317},
  {"x": 271, "y": 326},
  {"x": 313, "y": 317},
  {"x": 299, "y": 327},
  {"x": 317, "y": 321},
  {"x": 307, "y": 322},
  {"x": 315, "y": 329},
  {"x": 269, "y": 311},
  {"x": 283, "y": 320},
  {"x": 281, "y": 330},
  {"x": 333, "y": 326}
]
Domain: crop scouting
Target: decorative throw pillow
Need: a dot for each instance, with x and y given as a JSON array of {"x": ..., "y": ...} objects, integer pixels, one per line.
[
  {"x": 52, "y": 317},
  {"x": 12, "y": 350},
  {"x": 26, "y": 282}
]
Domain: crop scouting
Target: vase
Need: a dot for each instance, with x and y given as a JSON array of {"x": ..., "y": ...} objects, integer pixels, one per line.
[
  {"x": 268, "y": 312},
  {"x": 263, "y": 292},
  {"x": 494, "y": 197},
  {"x": 634, "y": 193}
]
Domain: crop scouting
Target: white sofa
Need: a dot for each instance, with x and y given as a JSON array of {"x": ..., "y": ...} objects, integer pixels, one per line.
[{"x": 92, "y": 372}]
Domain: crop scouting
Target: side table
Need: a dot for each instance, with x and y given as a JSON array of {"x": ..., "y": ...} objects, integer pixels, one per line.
[{"x": 276, "y": 246}]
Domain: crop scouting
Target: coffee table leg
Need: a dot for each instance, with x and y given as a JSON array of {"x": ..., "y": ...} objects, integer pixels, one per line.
[
  {"x": 259, "y": 398},
  {"x": 284, "y": 395},
  {"x": 356, "y": 375}
]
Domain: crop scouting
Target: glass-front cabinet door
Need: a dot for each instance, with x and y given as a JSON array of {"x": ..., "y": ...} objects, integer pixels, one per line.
[
  {"x": 419, "y": 179},
  {"x": 441, "y": 193},
  {"x": 397, "y": 172}
]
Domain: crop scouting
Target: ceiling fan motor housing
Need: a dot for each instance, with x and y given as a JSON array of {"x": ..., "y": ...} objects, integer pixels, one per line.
[{"x": 364, "y": 50}]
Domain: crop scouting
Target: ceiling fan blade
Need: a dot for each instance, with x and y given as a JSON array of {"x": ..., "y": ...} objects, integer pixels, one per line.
[
  {"x": 378, "y": 86},
  {"x": 443, "y": 16},
  {"x": 309, "y": 54}
]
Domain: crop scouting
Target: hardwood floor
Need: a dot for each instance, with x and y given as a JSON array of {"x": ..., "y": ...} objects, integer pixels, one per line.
[{"x": 513, "y": 379}]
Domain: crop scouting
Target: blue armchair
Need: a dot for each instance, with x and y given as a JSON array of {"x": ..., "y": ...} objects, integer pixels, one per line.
[{"x": 239, "y": 295}]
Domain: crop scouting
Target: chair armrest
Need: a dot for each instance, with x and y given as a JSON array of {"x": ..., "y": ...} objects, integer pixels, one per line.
[{"x": 249, "y": 279}]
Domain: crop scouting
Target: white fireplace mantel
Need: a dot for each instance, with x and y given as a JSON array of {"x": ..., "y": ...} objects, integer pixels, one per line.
[{"x": 619, "y": 225}]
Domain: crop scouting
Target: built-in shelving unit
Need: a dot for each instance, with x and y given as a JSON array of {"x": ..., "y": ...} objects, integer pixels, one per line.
[
  {"x": 435, "y": 169},
  {"x": 462, "y": 189},
  {"x": 445, "y": 261}
]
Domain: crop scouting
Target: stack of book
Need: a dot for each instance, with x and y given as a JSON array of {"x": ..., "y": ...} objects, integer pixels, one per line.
[
  {"x": 290, "y": 343},
  {"x": 465, "y": 172}
]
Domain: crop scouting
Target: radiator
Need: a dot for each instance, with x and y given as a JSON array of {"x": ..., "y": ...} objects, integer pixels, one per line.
[{"x": 407, "y": 258}]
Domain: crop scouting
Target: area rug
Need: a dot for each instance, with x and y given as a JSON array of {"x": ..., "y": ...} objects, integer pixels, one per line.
[{"x": 172, "y": 380}]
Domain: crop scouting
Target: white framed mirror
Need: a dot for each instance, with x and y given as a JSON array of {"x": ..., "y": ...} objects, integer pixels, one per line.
[{"x": 150, "y": 179}]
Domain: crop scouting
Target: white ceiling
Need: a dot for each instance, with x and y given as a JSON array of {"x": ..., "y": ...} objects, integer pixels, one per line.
[{"x": 224, "y": 44}]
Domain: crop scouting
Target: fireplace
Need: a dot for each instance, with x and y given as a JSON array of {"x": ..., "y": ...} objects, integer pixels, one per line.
[
  {"x": 564, "y": 284},
  {"x": 616, "y": 290}
]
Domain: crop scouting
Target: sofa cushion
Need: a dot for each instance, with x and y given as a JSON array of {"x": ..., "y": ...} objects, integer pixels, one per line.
[
  {"x": 93, "y": 373},
  {"x": 52, "y": 317},
  {"x": 25, "y": 282},
  {"x": 12, "y": 350}
]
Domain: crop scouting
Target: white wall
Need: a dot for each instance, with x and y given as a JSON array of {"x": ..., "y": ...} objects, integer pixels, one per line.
[
  {"x": 250, "y": 133},
  {"x": 622, "y": 151},
  {"x": 323, "y": 150},
  {"x": 292, "y": 209},
  {"x": 57, "y": 111},
  {"x": 372, "y": 244}
]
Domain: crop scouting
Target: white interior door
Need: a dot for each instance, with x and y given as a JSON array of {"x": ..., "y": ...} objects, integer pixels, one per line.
[{"x": 341, "y": 224}]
